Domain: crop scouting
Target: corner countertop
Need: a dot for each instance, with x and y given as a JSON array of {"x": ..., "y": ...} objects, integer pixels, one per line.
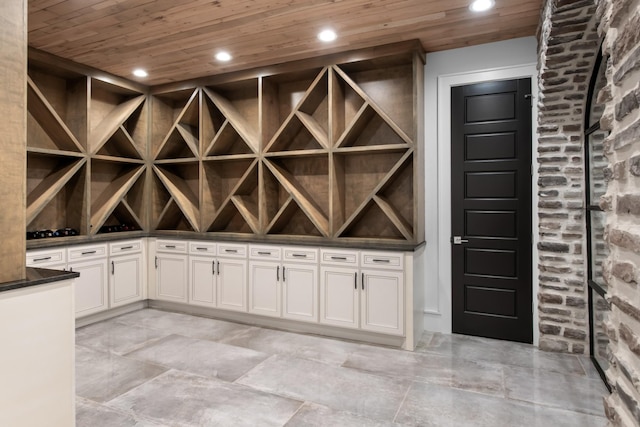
[{"x": 38, "y": 276}]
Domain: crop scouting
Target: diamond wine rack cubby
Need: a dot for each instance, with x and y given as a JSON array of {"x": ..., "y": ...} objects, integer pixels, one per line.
[
  {"x": 328, "y": 150},
  {"x": 86, "y": 153}
]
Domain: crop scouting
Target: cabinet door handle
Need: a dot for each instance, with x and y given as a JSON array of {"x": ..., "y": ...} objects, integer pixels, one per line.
[
  {"x": 363, "y": 281},
  {"x": 355, "y": 280},
  {"x": 231, "y": 251},
  {"x": 47, "y": 258},
  {"x": 218, "y": 268},
  {"x": 284, "y": 279},
  {"x": 113, "y": 268},
  {"x": 88, "y": 253},
  {"x": 124, "y": 248},
  {"x": 381, "y": 260},
  {"x": 264, "y": 253},
  {"x": 170, "y": 246},
  {"x": 339, "y": 258},
  {"x": 277, "y": 273},
  {"x": 299, "y": 255},
  {"x": 156, "y": 263},
  {"x": 213, "y": 267}
]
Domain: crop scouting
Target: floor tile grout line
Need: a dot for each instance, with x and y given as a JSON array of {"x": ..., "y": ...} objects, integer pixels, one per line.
[
  {"x": 393, "y": 420},
  {"x": 302, "y": 404}
]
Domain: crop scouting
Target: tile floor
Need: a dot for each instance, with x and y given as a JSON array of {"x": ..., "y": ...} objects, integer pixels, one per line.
[{"x": 155, "y": 368}]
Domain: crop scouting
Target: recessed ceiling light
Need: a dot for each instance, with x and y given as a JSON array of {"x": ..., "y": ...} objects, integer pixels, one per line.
[
  {"x": 223, "y": 56},
  {"x": 327, "y": 35},
  {"x": 481, "y": 5},
  {"x": 139, "y": 72}
]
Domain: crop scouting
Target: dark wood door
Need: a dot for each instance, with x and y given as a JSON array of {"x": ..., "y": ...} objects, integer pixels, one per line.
[{"x": 491, "y": 209}]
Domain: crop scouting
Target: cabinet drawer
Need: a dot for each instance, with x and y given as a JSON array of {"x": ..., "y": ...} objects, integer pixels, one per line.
[
  {"x": 125, "y": 247},
  {"x": 337, "y": 257},
  {"x": 384, "y": 260},
  {"x": 300, "y": 254},
  {"x": 232, "y": 250},
  {"x": 204, "y": 248},
  {"x": 87, "y": 252},
  {"x": 173, "y": 246},
  {"x": 46, "y": 257},
  {"x": 264, "y": 252}
]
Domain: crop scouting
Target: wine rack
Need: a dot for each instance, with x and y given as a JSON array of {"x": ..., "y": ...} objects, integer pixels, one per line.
[{"x": 327, "y": 153}]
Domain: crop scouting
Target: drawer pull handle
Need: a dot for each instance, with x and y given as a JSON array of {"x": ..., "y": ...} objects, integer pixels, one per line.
[
  {"x": 264, "y": 253},
  {"x": 124, "y": 248},
  {"x": 88, "y": 253},
  {"x": 47, "y": 258},
  {"x": 381, "y": 260},
  {"x": 299, "y": 255},
  {"x": 231, "y": 251},
  {"x": 170, "y": 246},
  {"x": 201, "y": 249},
  {"x": 339, "y": 258}
]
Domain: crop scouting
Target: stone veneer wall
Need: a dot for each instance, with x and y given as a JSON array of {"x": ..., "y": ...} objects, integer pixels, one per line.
[
  {"x": 620, "y": 26},
  {"x": 562, "y": 296},
  {"x": 568, "y": 44}
]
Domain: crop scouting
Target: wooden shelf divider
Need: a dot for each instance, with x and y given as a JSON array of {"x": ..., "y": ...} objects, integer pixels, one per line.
[
  {"x": 113, "y": 194},
  {"x": 181, "y": 194},
  {"x": 44, "y": 192},
  {"x": 42, "y": 111},
  {"x": 301, "y": 197},
  {"x": 240, "y": 124},
  {"x": 113, "y": 121}
]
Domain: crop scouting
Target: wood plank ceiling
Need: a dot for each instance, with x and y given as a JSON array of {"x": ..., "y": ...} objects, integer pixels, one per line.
[{"x": 177, "y": 39}]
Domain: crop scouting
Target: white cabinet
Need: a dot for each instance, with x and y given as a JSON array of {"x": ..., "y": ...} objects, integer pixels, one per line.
[
  {"x": 300, "y": 291},
  {"x": 202, "y": 280},
  {"x": 369, "y": 295},
  {"x": 382, "y": 292},
  {"x": 218, "y": 275},
  {"x": 92, "y": 287},
  {"x": 265, "y": 295},
  {"x": 265, "y": 288},
  {"x": 232, "y": 283},
  {"x": 382, "y": 301},
  {"x": 126, "y": 273},
  {"x": 54, "y": 259},
  {"x": 339, "y": 303},
  {"x": 300, "y": 284},
  {"x": 171, "y": 277},
  {"x": 171, "y": 270}
]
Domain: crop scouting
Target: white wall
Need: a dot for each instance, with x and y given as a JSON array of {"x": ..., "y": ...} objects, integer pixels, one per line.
[{"x": 493, "y": 61}]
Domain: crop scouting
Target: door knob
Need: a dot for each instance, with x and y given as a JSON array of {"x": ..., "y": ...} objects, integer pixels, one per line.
[{"x": 457, "y": 240}]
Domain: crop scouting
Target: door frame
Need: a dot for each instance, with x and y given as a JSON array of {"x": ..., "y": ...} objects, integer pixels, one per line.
[{"x": 445, "y": 83}]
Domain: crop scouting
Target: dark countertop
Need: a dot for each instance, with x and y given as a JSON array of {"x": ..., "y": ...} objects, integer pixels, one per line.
[{"x": 39, "y": 276}]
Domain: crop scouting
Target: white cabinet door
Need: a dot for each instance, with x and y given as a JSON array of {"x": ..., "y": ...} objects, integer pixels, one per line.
[
  {"x": 171, "y": 277},
  {"x": 339, "y": 296},
  {"x": 383, "y": 301},
  {"x": 231, "y": 276},
  {"x": 202, "y": 281},
  {"x": 300, "y": 292},
  {"x": 264, "y": 288},
  {"x": 91, "y": 288},
  {"x": 126, "y": 279}
]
